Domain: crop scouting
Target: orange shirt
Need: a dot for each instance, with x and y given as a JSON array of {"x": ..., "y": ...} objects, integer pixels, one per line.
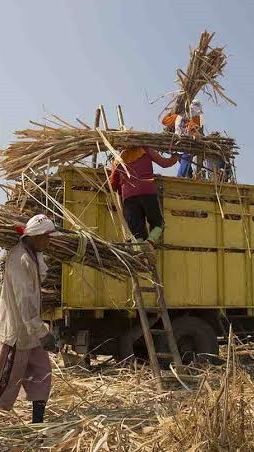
[
  {"x": 169, "y": 120},
  {"x": 193, "y": 125}
]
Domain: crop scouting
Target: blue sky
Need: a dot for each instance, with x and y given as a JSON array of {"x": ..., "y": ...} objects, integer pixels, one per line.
[{"x": 68, "y": 56}]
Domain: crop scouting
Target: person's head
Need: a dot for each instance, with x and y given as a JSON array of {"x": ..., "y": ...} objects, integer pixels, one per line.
[
  {"x": 195, "y": 108},
  {"x": 38, "y": 243},
  {"x": 38, "y": 231}
]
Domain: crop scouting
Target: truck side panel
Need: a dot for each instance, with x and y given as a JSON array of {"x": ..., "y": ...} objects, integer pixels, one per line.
[{"x": 206, "y": 260}]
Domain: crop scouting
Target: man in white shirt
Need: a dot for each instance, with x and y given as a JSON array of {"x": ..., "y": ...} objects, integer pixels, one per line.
[
  {"x": 24, "y": 338},
  {"x": 189, "y": 126}
]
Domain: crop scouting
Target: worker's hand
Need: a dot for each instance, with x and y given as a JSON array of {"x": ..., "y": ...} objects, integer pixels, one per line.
[
  {"x": 176, "y": 155},
  {"x": 48, "y": 343}
]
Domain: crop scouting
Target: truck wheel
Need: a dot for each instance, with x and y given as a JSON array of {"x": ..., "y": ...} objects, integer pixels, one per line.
[{"x": 195, "y": 337}]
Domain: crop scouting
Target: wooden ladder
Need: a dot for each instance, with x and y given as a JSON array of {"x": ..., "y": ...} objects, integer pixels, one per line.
[{"x": 148, "y": 331}]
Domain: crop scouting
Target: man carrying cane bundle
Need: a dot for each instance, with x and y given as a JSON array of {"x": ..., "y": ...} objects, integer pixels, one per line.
[
  {"x": 190, "y": 124},
  {"x": 24, "y": 339}
]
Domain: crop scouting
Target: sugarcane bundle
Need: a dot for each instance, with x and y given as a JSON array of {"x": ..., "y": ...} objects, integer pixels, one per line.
[
  {"x": 30, "y": 199},
  {"x": 31, "y": 204},
  {"x": 51, "y": 287},
  {"x": 47, "y": 146},
  {"x": 83, "y": 247},
  {"x": 205, "y": 65}
]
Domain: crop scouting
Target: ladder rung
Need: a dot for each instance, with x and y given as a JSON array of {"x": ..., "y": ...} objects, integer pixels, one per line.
[
  {"x": 152, "y": 310},
  {"x": 164, "y": 355},
  {"x": 156, "y": 331},
  {"x": 147, "y": 289}
]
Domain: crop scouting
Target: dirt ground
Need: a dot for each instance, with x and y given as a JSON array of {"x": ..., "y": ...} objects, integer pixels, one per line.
[{"x": 112, "y": 407}]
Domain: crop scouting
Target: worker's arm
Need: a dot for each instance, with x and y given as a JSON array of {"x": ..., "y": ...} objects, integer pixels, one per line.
[
  {"x": 164, "y": 162},
  {"x": 23, "y": 283}
]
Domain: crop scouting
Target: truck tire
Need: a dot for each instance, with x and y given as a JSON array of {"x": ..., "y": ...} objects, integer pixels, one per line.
[{"x": 195, "y": 337}]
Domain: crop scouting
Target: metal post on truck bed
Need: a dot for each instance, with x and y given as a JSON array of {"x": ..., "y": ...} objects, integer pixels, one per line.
[
  {"x": 96, "y": 124},
  {"x": 104, "y": 118},
  {"x": 120, "y": 117}
]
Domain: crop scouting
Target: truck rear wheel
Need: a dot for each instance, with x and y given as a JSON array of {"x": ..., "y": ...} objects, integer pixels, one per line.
[{"x": 195, "y": 337}]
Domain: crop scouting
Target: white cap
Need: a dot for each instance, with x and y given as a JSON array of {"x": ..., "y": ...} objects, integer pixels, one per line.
[
  {"x": 195, "y": 108},
  {"x": 40, "y": 225},
  {"x": 196, "y": 102}
]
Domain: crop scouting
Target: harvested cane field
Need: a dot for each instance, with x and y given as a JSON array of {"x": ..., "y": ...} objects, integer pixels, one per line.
[{"x": 115, "y": 407}]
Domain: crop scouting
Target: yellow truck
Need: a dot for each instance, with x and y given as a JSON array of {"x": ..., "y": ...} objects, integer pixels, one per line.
[{"x": 205, "y": 262}]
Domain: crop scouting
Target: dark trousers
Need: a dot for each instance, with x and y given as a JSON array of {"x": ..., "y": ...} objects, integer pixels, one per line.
[{"x": 140, "y": 210}]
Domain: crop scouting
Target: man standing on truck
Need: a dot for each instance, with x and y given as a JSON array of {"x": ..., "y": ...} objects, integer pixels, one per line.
[
  {"x": 188, "y": 124},
  {"x": 24, "y": 339},
  {"x": 134, "y": 180},
  {"x": 218, "y": 167}
]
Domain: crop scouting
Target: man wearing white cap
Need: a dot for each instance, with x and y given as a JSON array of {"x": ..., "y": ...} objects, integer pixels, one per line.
[
  {"x": 187, "y": 124},
  {"x": 192, "y": 127},
  {"x": 24, "y": 338}
]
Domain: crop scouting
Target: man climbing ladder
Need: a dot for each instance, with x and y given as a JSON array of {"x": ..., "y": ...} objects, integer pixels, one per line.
[{"x": 134, "y": 181}]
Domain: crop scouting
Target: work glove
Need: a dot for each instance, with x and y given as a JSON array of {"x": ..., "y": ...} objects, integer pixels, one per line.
[{"x": 48, "y": 343}]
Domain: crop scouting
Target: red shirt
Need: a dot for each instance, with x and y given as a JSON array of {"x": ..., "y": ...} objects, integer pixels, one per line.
[{"x": 141, "y": 180}]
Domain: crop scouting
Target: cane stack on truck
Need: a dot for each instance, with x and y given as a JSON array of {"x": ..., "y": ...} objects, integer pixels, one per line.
[{"x": 135, "y": 243}]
